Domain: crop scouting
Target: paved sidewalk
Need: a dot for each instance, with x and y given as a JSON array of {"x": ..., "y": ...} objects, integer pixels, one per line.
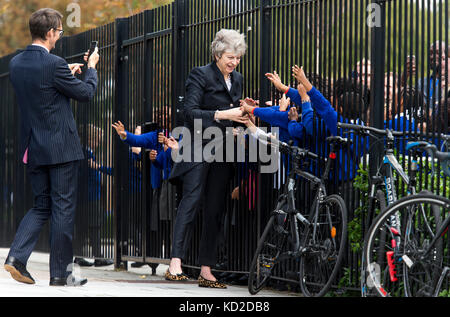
[{"x": 106, "y": 282}]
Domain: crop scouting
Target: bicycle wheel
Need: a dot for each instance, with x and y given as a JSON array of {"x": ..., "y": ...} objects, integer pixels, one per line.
[
  {"x": 323, "y": 246},
  {"x": 402, "y": 269},
  {"x": 270, "y": 246}
]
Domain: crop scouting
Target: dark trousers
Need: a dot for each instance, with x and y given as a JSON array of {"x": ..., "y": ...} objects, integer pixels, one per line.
[
  {"x": 54, "y": 188},
  {"x": 208, "y": 181}
]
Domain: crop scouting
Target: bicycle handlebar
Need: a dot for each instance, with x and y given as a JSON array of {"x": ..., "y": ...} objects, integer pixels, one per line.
[
  {"x": 364, "y": 129},
  {"x": 296, "y": 151},
  {"x": 429, "y": 148}
]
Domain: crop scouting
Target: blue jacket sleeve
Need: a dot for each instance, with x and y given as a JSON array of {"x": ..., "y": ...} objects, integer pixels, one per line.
[
  {"x": 294, "y": 96},
  {"x": 324, "y": 110},
  {"x": 163, "y": 162},
  {"x": 147, "y": 140},
  {"x": 296, "y": 128},
  {"x": 159, "y": 162},
  {"x": 272, "y": 116}
]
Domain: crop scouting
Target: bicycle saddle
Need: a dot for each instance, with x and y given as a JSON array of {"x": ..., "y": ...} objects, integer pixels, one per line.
[{"x": 444, "y": 158}]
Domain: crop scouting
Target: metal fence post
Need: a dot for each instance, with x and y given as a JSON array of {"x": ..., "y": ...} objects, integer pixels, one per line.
[
  {"x": 120, "y": 150},
  {"x": 264, "y": 93},
  {"x": 179, "y": 58},
  {"x": 377, "y": 95}
]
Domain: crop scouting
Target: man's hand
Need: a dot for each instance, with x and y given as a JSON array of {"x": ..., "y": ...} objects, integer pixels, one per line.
[
  {"x": 120, "y": 129},
  {"x": 75, "y": 68},
  {"x": 93, "y": 59},
  {"x": 293, "y": 114}
]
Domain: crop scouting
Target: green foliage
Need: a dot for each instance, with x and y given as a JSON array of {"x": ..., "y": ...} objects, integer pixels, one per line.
[
  {"x": 361, "y": 183},
  {"x": 445, "y": 293}
]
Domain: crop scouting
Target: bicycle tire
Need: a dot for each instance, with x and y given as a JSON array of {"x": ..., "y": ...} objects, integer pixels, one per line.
[
  {"x": 385, "y": 277},
  {"x": 414, "y": 283},
  {"x": 324, "y": 247},
  {"x": 263, "y": 261}
]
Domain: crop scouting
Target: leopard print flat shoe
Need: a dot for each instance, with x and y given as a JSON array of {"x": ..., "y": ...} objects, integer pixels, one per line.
[
  {"x": 202, "y": 282},
  {"x": 175, "y": 277}
]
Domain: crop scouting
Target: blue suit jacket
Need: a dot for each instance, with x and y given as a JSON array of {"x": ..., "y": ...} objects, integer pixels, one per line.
[{"x": 44, "y": 86}]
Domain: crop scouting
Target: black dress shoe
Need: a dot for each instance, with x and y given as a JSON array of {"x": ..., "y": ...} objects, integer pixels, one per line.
[
  {"x": 70, "y": 281},
  {"x": 82, "y": 262},
  {"x": 103, "y": 262},
  {"x": 18, "y": 271}
]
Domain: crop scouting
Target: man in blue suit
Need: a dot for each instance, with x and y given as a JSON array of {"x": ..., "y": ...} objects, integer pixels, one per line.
[{"x": 44, "y": 84}]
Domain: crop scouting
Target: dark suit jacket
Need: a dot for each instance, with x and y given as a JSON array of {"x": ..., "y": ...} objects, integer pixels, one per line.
[
  {"x": 206, "y": 92},
  {"x": 44, "y": 85}
]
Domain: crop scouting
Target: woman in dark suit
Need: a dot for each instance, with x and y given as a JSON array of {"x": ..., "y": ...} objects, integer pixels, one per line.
[{"x": 212, "y": 100}]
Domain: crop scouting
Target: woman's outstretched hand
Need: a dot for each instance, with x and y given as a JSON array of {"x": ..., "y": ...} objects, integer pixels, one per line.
[
  {"x": 120, "y": 129},
  {"x": 234, "y": 114}
]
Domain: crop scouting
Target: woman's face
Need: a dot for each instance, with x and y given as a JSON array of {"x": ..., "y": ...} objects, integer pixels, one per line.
[{"x": 228, "y": 62}]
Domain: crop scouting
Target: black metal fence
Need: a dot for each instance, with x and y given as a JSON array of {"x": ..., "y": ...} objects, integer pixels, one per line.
[{"x": 126, "y": 209}]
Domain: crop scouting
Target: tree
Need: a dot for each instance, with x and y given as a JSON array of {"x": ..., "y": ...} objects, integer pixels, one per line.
[{"x": 14, "y": 15}]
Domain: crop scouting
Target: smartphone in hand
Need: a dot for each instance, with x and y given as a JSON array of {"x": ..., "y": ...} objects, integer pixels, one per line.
[{"x": 94, "y": 44}]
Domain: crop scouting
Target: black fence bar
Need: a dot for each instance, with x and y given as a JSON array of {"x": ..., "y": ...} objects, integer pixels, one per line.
[{"x": 126, "y": 207}]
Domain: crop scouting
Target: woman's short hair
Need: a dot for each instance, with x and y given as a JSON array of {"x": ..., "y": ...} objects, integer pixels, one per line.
[
  {"x": 228, "y": 40},
  {"x": 42, "y": 21}
]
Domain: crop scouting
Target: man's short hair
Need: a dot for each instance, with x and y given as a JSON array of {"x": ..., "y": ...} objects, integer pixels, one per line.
[{"x": 42, "y": 21}]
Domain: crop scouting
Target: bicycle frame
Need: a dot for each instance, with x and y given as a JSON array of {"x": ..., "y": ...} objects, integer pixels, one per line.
[{"x": 318, "y": 198}]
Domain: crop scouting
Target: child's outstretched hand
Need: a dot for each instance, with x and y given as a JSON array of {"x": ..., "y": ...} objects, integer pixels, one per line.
[
  {"x": 293, "y": 114},
  {"x": 172, "y": 143},
  {"x": 302, "y": 91},
  {"x": 284, "y": 102},
  {"x": 299, "y": 74},
  {"x": 120, "y": 129},
  {"x": 153, "y": 155}
]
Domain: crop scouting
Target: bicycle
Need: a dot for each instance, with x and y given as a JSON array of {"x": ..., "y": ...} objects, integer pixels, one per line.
[
  {"x": 418, "y": 248},
  {"x": 383, "y": 191},
  {"x": 317, "y": 241}
]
